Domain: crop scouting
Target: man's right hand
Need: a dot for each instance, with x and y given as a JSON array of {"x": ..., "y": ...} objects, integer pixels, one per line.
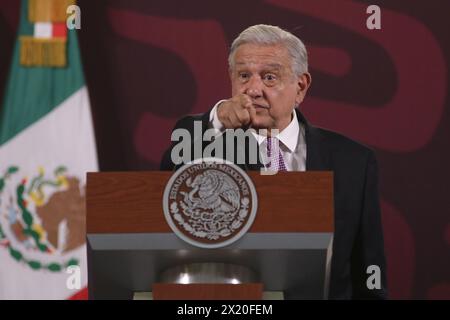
[{"x": 237, "y": 112}]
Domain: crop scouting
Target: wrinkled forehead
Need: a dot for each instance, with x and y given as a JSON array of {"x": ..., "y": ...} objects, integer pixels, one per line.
[
  {"x": 274, "y": 57},
  {"x": 256, "y": 63}
]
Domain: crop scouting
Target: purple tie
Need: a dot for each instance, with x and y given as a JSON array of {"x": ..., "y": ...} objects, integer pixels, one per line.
[{"x": 274, "y": 154}]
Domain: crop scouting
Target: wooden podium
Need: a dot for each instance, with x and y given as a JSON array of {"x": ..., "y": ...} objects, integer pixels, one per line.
[{"x": 130, "y": 243}]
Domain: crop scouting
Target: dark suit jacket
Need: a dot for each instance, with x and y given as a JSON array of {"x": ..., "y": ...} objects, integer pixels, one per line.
[{"x": 358, "y": 238}]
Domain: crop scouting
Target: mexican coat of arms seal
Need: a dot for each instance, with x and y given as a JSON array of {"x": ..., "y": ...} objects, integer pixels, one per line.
[{"x": 210, "y": 203}]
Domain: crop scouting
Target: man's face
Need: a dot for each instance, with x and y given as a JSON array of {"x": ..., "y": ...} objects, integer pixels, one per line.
[{"x": 264, "y": 73}]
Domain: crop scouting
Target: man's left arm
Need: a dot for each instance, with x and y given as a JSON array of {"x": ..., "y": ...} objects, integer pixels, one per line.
[{"x": 368, "y": 253}]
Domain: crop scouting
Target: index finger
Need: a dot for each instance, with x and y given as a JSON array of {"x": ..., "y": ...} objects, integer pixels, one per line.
[{"x": 245, "y": 100}]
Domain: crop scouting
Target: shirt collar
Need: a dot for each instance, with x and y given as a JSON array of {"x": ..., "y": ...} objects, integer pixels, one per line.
[{"x": 288, "y": 136}]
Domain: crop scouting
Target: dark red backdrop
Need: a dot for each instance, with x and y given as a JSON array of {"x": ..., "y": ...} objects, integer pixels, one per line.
[{"x": 148, "y": 63}]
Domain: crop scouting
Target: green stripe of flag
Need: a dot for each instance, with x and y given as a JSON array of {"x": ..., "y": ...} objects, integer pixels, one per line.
[{"x": 31, "y": 93}]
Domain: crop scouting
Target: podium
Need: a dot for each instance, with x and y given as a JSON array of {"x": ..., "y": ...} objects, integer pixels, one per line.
[{"x": 130, "y": 245}]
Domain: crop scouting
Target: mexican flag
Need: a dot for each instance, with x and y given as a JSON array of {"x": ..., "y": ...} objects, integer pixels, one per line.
[{"x": 46, "y": 147}]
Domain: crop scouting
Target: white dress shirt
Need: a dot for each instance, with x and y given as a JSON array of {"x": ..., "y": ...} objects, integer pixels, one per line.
[{"x": 292, "y": 140}]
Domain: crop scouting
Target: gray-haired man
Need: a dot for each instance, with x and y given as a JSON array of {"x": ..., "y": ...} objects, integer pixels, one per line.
[{"x": 268, "y": 69}]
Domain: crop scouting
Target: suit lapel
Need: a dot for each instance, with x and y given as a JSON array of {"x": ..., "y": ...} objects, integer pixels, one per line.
[{"x": 318, "y": 155}]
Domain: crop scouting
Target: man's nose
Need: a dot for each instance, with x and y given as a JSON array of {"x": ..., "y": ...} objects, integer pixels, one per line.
[{"x": 254, "y": 87}]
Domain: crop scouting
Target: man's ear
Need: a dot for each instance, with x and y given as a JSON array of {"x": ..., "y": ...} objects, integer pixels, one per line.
[{"x": 303, "y": 83}]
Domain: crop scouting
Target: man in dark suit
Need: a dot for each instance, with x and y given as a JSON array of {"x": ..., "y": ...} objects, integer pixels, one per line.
[{"x": 269, "y": 75}]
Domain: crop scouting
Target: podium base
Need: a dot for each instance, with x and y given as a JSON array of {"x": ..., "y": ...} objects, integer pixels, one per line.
[
  {"x": 267, "y": 295},
  {"x": 208, "y": 291}
]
